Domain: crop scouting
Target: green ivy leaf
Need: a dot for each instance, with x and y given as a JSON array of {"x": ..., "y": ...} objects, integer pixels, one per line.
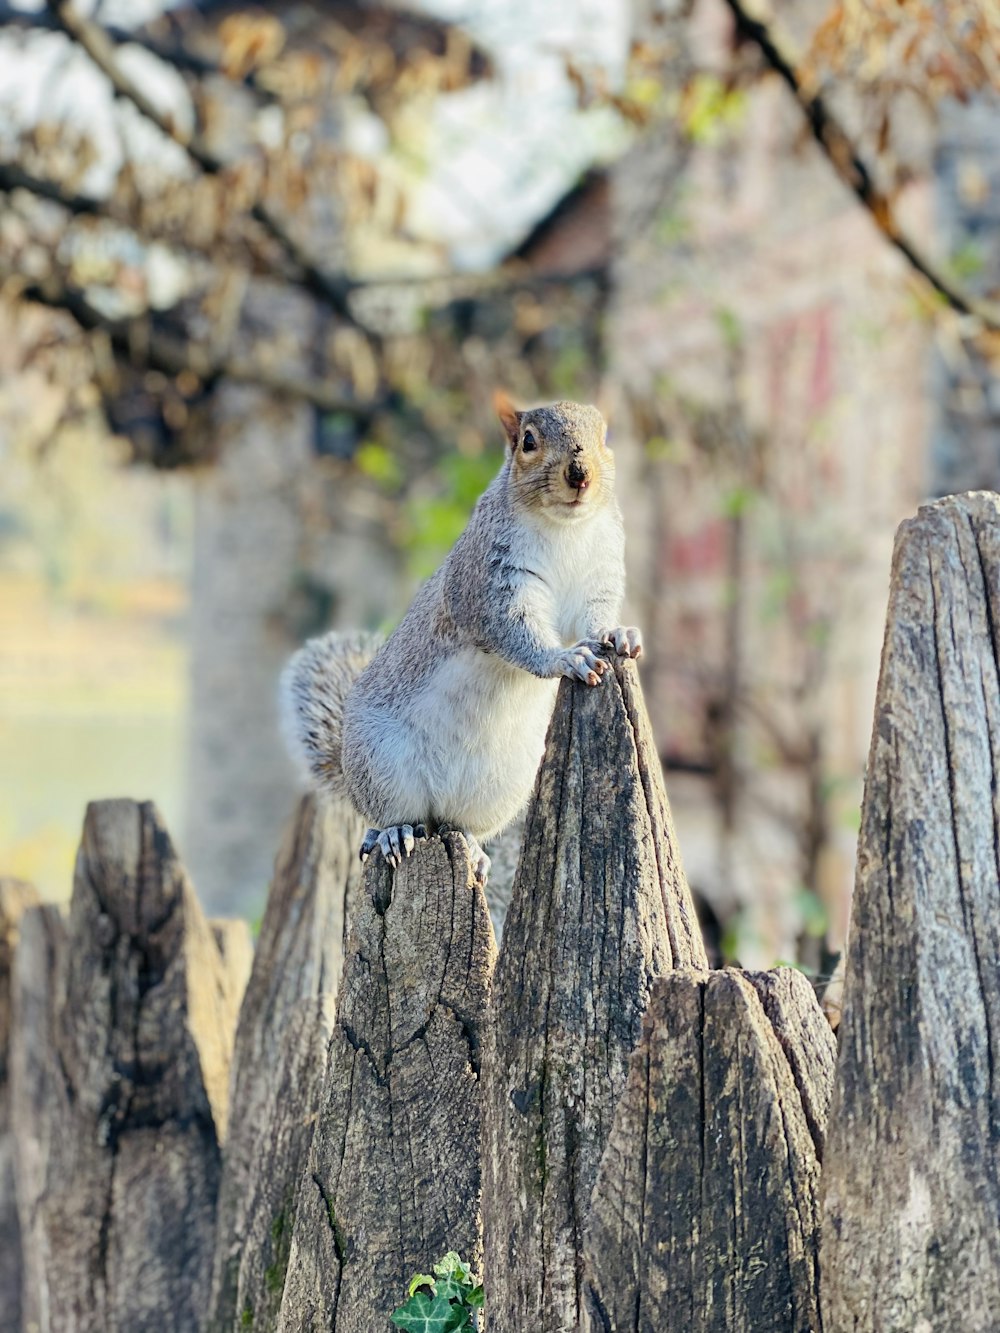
[
  {"x": 451, "y": 1288},
  {"x": 475, "y": 1298},
  {"x": 451, "y": 1265},
  {"x": 420, "y": 1314},
  {"x": 422, "y": 1280}
]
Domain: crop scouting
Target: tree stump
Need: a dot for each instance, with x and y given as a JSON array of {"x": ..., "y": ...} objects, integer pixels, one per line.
[
  {"x": 16, "y": 897},
  {"x": 37, "y": 983},
  {"x": 144, "y": 1036},
  {"x": 393, "y": 1176},
  {"x": 299, "y": 956},
  {"x": 705, "y": 1215},
  {"x": 911, "y": 1181},
  {"x": 600, "y": 908}
]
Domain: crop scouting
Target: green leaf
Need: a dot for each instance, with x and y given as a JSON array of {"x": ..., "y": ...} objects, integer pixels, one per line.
[
  {"x": 376, "y": 462},
  {"x": 451, "y": 1288},
  {"x": 475, "y": 1298},
  {"x": 451, "y": 1265},
  {"x": 420, "y": 1314},
  {"x": 422, "y": 1280}
]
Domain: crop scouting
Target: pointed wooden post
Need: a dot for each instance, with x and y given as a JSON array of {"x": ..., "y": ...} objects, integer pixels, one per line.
[
  {"x": 393, "y": 1177},
  {"x": 911, "y": 1178},
  {"x": 143, "y": 1043},
  {"x": 600, "y": 909},
  {"x": 705, "y": 1216},
  {"x": 299, "y": 959}
]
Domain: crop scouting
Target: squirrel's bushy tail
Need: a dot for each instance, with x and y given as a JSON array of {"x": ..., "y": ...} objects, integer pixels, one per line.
[{"x": 314, "y": 686}]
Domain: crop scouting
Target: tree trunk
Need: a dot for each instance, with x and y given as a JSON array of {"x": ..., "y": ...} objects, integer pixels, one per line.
[
  {"x": 300, "y": 957},
  {"x": 15, "y": 898},
  {"x": 393, "y": 1177},
  {"x": 144, "y": 1036},
  {"x": 912, "y": 1176},
  {"x": 705, "y": 1214},
  {"x": 38, "y": 980},
  {"x": 600, "y": 908}
]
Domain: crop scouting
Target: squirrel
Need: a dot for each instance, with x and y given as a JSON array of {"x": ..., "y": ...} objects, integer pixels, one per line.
[{"x": 443, "y": 725}]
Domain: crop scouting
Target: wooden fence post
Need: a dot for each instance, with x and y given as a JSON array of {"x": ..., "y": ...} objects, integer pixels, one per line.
[
  {"x": 393, "y": 1176},
  {"x": 600, "y": 908},
  {"x": 705, "y": 1215},
  {"x": 911, "y": 1181},
  {"x": 37, "y": 982},
  {"x": 143, "y": 1041},
  {"x": 298, "y": 961},
  {"x": 288, "y": 1117},
  {"x": 16, "y": 898}
]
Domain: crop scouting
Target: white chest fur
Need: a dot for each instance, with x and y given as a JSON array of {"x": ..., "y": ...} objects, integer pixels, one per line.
[{"x": 567, "y": 563}]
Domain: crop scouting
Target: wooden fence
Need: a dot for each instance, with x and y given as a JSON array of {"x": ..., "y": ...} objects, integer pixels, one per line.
[{"x": 618, "y": 1138}]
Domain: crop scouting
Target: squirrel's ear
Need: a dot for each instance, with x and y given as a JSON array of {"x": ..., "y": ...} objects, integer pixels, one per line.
[{"x": 509, "y": 416}]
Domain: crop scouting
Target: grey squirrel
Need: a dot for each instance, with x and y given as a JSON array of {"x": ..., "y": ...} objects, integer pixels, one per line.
[{"x": 443, "y": 725}]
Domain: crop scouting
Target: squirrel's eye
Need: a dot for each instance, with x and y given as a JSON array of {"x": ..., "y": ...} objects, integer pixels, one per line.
[{"x": 528, "y": 442}]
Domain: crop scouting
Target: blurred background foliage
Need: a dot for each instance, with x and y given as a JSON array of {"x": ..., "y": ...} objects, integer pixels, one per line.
[{"x": 261, "y": 268}]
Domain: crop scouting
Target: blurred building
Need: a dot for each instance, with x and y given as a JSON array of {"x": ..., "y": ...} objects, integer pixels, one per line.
[{"x": 785, "y": 404}]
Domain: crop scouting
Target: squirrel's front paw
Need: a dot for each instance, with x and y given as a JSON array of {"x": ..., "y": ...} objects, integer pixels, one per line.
[
  {"x": 581, "y": 663},
  {"x": 626, "y": 640}
]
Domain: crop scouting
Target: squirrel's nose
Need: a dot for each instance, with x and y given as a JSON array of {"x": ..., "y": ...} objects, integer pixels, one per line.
[{"x": 577, "y": 476}]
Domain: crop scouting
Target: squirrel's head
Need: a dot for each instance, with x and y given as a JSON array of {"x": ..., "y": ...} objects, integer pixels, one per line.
[{"x": 560, "y": 463}]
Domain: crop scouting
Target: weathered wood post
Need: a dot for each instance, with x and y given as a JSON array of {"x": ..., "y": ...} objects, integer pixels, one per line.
[
  {"x": 288, "y": 1118},
  {"x": 296, "y": 972},
  {"x": 16, "y": 898},
  {"x": 393, "y": 1176},
  {"x": 138, "y": 1089},
  {"x": 911, "y": 1180},
  {"x": 37, "y": 982},
  {"x": 705, "y": 1216},
  {"x": 600, "y": 909}
]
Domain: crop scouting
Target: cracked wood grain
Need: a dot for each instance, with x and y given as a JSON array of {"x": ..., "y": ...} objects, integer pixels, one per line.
[
  {"x": 392, "y": 1181},
  {"x": 16, "y": 898},
  {"x": 299, "y": 958},
  {"x": 36, "y": 984},
  {"x": 142, "y": 1041},
  {"x": 705, "y": 1215},
  {"x": 288, "y": 1116},
  {"x": 600, "y": 908},
  {"x": 912, "y": 1175}
]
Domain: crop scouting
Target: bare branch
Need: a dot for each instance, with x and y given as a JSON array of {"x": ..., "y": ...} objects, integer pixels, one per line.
[
  {"x": 849, "y": 166},
  {"x": 138, "y": 342},
  {"x": 14, "y": 177},
  {"x": 171, "y": 52},
  {"x": 334, "y": 290}
]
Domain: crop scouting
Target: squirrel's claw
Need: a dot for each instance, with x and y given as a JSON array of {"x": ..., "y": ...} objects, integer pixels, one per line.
[
  {"x": 581, "y": 663},
  {"x": 368, "y": 844},
  {"x": 394, "y": 843},
  {"x": 626, "y": 640},
  {"x": 480, "y": 861}
]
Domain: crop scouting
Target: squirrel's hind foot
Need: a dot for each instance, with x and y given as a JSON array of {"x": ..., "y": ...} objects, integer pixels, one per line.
[
  {"x": 394, "y": 843},
  {"x": 480, "y": 861}
]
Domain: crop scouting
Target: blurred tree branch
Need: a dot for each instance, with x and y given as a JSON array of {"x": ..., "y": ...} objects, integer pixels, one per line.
[
  {"x": 171, "y": 52},
  {"x": 333, "y": 290},
  {"x": 852, "y": 170},
  {"x": 147, "y": 346},
  {"x": 14, "y": 177}
]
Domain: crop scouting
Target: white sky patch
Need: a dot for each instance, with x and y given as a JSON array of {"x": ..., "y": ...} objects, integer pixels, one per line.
[
  {"x": 483, "y": 168},
  {"x": 501, "y": 154}
]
